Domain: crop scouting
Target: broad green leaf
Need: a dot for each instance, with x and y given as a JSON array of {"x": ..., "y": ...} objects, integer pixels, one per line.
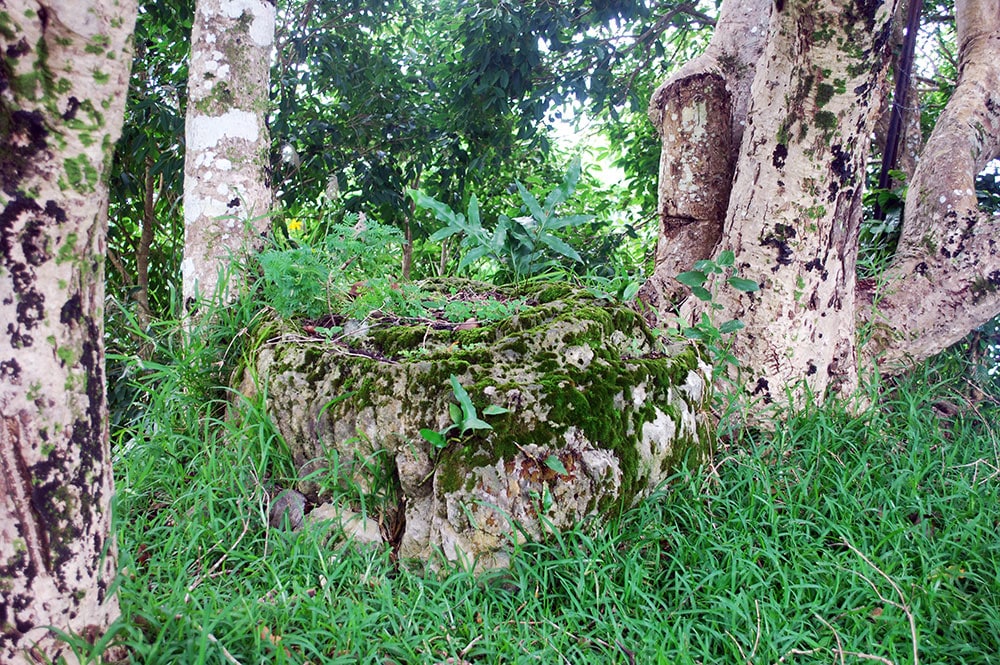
[
  {"x": 522, "y": 233},
  {"x": 436, "y": 439},
  {"x": 547, "y": 499},
  {"x": 494, "y": 410},
  {"x": 731, "y": 326},
  {"x": 475, "y": 423},
  {"x": 745, "y": 285},
  {"x": 692, "y": 278},
  {"x": 499, "y": 239},
  {"x": 560, "y": 247},
  {"x": 447, "y": 231},
  {"x": 706, "y": 266},
  {"x": 565, "y": 190},
  {"x": 556, "y": 465},
  {"x": 701, "y": 293},
  {"x": 473, "y": 255},
  {"x": 468, "y": 410},
  {"x": 456, "y": 413},
  {"x": 726, "y": 259},
  {"x": 631, "y": 289},
  {"x": 440, "y": 210},
  {"x": 693, "y": 333},
  {"x": 474, "y": 212},
  {"x": 532, "y": 203}
]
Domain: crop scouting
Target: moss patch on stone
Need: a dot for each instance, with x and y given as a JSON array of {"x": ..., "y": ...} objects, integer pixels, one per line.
[{"x": 575, "y": 373}]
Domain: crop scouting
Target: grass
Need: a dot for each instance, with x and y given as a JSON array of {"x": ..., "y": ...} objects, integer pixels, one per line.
[{"x": 838, "y": 538}]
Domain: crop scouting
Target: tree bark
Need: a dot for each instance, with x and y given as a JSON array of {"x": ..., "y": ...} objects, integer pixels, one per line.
[
  {"x": 794, "y": 207},
  {"x": 909, "y": 141},
  {"x": 700, "y": 113},
  {"x": 63, "y": 79},
  {"x": 945, "y": 279},
  {"x": 227, "y": 196}
]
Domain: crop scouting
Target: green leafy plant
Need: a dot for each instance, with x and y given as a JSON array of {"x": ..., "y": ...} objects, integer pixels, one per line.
[
  {"x": 878, "y": 236},
  {"x": 306, "y": 280},
  {"x": 706, "y": 330},
  {"x": 465, "y": 420},
  {"x": 524, "y": 245}
]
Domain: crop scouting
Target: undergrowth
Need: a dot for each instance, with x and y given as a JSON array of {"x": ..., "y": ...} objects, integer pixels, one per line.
[{"x": 870, "y": 537}]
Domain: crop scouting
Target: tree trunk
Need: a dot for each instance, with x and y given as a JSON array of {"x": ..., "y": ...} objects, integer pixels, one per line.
[
  {"x": 63, "y": 80},
  {"x": 794, "y": 207},
  {"x": 699, "y": 114},
  {"x": 945, "y": 279},
  {"x": 909, "y": 141},
  {"x": 227, "y": 196}
]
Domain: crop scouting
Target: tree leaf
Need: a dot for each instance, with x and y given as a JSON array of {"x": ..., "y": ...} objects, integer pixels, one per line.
[
  {"x": 693, "y": 333},
  {"x": 474, "y": 212},
  {"x": 565, "y": 190},
  {"x": 701, "y": 293},
  {"x": 726, "y": 259},
  {"x": 630, "y": 291},
  {"x": 569, "y": 220},
  {"x": 556, "y": 465},
  {"x": 692, "y": 278},
  {"x": 532, "y": 203},
  {"x": 473, "y": 255},
  {"x": 745, "y": 285},
  {"x": 441, "y": 234},
  {"x": 457, "y": 416},
  {"x": 494, "y": 410},
  {"x": 441, "y": 210},
  {"x": 706, "y": 266},
  {"x": 560, "y": 247},
  {"x": 731, "y": 326}
]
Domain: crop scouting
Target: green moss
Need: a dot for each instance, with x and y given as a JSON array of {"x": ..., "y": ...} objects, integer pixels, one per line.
[
  {"x": 8, "y": 28},
  {"x": 825, "y": 120},
  {"x": 80, "y": 174},
  {"x": 549, "y": 293},
  {"x": 588, "y": 397},
  {"x": 824, "y": 93},
  {"x": 67, "y": 355},
  {"x": 67, "y": 251},
  {"x": 816, "y": 212},
  {"x": 394, "y": 340}
]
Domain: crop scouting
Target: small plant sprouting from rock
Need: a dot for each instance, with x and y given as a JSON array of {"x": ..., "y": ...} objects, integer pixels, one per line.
[{"x": 465, "y": 420}]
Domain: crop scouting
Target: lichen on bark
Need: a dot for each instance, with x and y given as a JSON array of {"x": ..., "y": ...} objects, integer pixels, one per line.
[{"x": 56, "y": 558}]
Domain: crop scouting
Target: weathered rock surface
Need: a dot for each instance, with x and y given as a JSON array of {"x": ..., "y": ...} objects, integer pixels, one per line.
[{"x": 599, "y": 415}]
